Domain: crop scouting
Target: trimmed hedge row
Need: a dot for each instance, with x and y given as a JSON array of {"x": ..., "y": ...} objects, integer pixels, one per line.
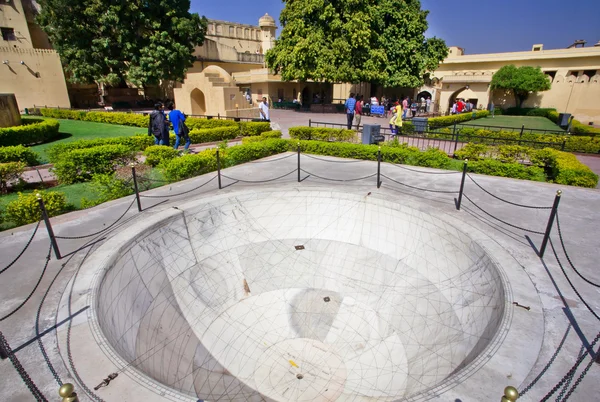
[
  {"x": 438, "y": 122},
  {"x": 249, "y": 128},
  {"x": 157, "y": 154},
  {"x": 322, "y": 134},
  {"x": 195, "y": 122},
  {"x": 81, "y": 164},
  {"x": 199, "y": 136},
  {"x": 134, "y": 143},
  {"x": 32, "y": 131},
  {"x": 565, "y": 168},
  {"x": 264, "y": 136},
  {"x": 19, "y": 153},
  {"x": 203, "y": 162},
  {"x": 26, "y": 209},
  {"x": 10, "y": 172}
]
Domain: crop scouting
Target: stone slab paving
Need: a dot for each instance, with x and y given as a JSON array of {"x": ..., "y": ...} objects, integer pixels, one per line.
[{"x": 579, "y": 215}]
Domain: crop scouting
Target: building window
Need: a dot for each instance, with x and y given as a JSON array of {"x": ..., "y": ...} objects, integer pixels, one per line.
[
  {"x": 219, "y": 29},
  {"x": 246, "y": 33},
  {"x": 231, "y": 31},
  {"x": 8, "y": 34},
  {"x": 589, "y": 73},
  {"x": 551, "y": 74},
  {"x": 238, "y": 32}
]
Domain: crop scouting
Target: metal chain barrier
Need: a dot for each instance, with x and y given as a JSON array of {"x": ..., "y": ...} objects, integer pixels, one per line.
[
  {"x": 34, "y": 289},
  {"x": 274, "y": 160},
  {"x": 37, "y": 394},
  {"x": 175, "y": 195},
  {"x": 500, "y": 220},
  {"x": 339, "y": 180},
  {"x": 100, "y": 231},
  {"x": 571, "y": 283},
  {"x": 330, "y": 161},
  {"x": 419, "y": 188},
  {"x": 579, "y": 379},
  {"x": 24, "y": 248},
  {"x": 502, "y": 199},
  {"x": 567, "y": 383},
  {"x": 258, "y": 181},
  {"x": 419, "y": 171},
  {"x": 569, "y": 258},
  {"x": 547, "y": 366}
]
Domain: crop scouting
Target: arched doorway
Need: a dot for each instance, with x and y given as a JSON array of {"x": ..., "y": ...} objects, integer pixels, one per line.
[
  {"x": 306, "y": 96},
  {"x": 424, "y": 95},
  {"x": 198, "y": 102},
  {"x": 464, "y": 93}
]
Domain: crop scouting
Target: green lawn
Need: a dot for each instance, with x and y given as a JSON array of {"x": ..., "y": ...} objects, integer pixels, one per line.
[
  {"x": 515, "y": 122},
  {"x": 74, "y": 130}
]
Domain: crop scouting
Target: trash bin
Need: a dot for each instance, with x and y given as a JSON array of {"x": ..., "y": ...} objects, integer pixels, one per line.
[
  {"x": 371, "y": 134},
  {"x": 563, "y": 119},
  {"x": 26, "y": 112},
  {"x": 420, "y": 124}
]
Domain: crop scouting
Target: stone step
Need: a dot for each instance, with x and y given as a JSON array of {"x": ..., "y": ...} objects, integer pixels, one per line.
[
  {"x": 216, "y": 79},
  {"x": 220, "y": 84},
  {"x": 212, "y": 75}
]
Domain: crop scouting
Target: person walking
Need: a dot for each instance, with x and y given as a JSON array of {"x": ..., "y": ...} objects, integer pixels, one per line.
[
  {"x": 358, "y": 111},
  {"x": 158, "y": 124},
  {"x": 428, "y": 104},
  {"x": 177, "y": 119},
  {"x": 264, "y": 109},
  {"x": 404, "y": 107},
  {"x": 396, "y": 120},
  {"x": 349, "y": 108}
]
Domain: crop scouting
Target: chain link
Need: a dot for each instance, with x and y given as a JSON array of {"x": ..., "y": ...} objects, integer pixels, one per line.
[
  {"x": 259, "y": 181},
  {"x": 545, "y": 369},
  {"x": 579, "y": 379},
  {"x": 569, "y": 258},
  {"x": 37, "y": 394},
  {"x": 418, "y": 188},
  {"x": 502, "y": 199},
  {"x": 419, "y": 171},
  {"x": 24, "y": 249},
  {"x": 500, "y": 220},
  {"x": 175, "y": 195},
  {"x": 340, "y": 180},
  {"x": 331, "y": 161}
]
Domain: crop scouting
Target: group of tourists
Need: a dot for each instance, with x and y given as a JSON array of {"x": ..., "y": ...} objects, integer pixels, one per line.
[
  {"x": 398, "y": 111},
  {"x": 460, "y": 106},
  {"x": 160, "y": 123}
]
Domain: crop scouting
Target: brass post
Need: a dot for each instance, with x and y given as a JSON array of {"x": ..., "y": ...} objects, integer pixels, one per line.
[
  {"x": 510, "y": 394},
  {"x": 67, "y": 392}
]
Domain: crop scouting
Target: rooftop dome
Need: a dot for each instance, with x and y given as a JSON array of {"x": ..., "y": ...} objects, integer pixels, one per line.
[{"x": 266, "y": 21}]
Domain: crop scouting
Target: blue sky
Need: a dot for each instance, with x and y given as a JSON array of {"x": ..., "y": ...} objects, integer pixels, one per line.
[{"x": 479, "y": 27}]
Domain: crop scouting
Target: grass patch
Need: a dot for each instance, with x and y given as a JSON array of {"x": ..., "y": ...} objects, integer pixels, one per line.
[
  {"x": 515, "y": 122},
  {"x": 74, "y": 130}
]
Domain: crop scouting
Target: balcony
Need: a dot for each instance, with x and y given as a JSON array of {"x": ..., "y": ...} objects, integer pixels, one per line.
[{"x": 251, "y": 58}]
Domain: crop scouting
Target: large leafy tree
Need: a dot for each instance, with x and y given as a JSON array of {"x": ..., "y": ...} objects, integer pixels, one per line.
[
  {"x": 520, "y": 81},
  {"x": 118, "y": 41},
  {"x": 379, "y": 41}
]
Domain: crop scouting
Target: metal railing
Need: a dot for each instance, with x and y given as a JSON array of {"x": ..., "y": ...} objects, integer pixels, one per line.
[{"x": 521, "y": 129}]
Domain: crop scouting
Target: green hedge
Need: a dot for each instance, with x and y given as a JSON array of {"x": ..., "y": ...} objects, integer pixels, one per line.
[
  {"x": 264, "y": 136},
  {"x": 203, "y": 162},
  {"x": 438, "y": 122},
  {"x": 494, "y": 167},
  {"x": 565, "y": 168},
  {"x": 125, "y": 119},
  {"x": 200, "y": 136},
  {"x": 322, "y": 134},
  {"x": 195, "y": 122},
  {"x": 26, "y": 209},
  {"x": 254, "y": 128},
  {"x": 81, "y": 164},
  {"x": 135, "y": 143},
  {"x": 10, "y": 172},
  {"x": 157, "y": 154},
  {"x": 33, "y": 131},
  {"x": 19, "y": 153}
]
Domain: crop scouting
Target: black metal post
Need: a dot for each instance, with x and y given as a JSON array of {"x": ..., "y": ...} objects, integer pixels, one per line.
[
  {"x": 378, "y": 167},
  {"x": 550, "y": 223},
  {"x": 219, "y": 169},
  {"x": 135, "y": 187},
  {"x": 455, "y": 135},
  {"x": 521, "y": 134},
  {"x": 562, "y": 147},
  {"x": 462, "y": 184},
  {"x": 298, "y": 162},
  {"x": 49, "y": 228},
  {"x": 309, "y": 122}
]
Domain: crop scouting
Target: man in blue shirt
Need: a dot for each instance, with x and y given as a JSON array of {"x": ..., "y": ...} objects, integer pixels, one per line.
[
  {"x": 349, "y": 107},
  {"x": 176, "y": 117}
]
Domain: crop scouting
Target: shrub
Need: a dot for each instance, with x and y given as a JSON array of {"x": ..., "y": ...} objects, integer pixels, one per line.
[
  {"x": 125, "y": 119},
  {"x": 264, "y": 136},
  {"x": 578, "y": 128},
  {"x": 254, "y": 128},
  {"x": 565, "y": 168},
  {"x": 156, "y": 154},
  {"x": 322, "y": 134},
  {"x": 108, "y": 187},
  {"x": 495, "y": 167},
  {"x": 33, "y": 131},
  {"x": 82, "y": 164},
  {"x": 249, "y": 152},
  {"x": 438, "y": 122},
  {"x": 194, "y": 123},
  {"x": 200, "y": 136},
  {"x": 190, "y": 165},
  {"x": 19, "y": 153},
  {"x": 135, "y": 143},
  {"x": 472, "y": 152},
  {"x": 10, "y": 172},
  {"x": 26, "y": 208}
]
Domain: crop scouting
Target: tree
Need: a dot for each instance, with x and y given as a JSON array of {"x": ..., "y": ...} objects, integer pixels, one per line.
[
  {"x": 115, "y": 41},
  {"x": 521, "y": 81},
  {"x": 378, "y": 41}
]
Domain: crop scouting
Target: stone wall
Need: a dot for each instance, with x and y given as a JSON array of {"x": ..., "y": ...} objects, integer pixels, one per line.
[{"x": 9, "y": 111}]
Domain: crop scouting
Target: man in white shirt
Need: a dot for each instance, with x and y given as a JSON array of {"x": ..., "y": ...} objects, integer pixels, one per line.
[{"x": 264, "y": 109}]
